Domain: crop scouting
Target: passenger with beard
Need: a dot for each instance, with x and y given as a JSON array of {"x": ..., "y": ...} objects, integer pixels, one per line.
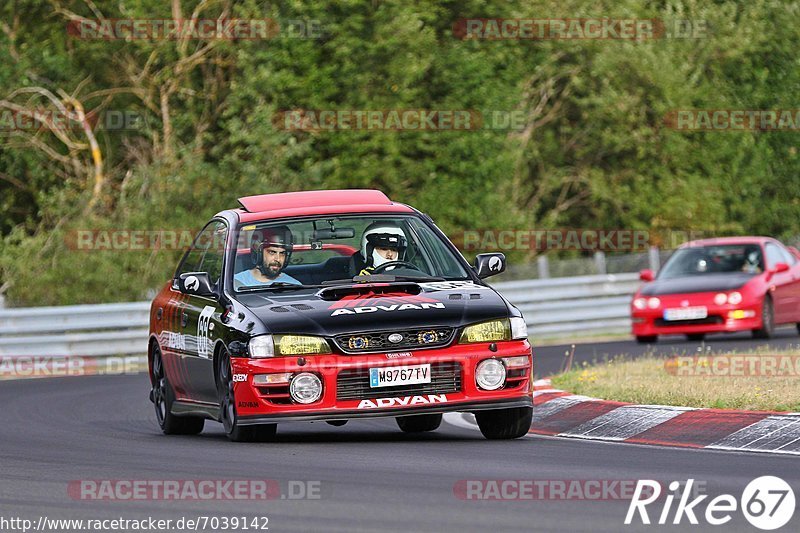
[{"x": 270, "y": 250}]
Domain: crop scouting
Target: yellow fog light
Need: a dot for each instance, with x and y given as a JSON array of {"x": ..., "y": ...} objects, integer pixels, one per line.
[
  {"x": 300, "y": 345},
  {"x": 494, "y": 330},
  {"x": 741, "y": 313}
]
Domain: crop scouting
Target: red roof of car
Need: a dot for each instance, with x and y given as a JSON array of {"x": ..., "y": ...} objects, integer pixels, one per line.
[
  {"x": 333, "y": 202},
  {"x": 728, "y": 240}
]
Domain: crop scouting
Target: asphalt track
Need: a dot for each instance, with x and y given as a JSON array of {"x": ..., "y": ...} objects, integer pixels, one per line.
[
  {"x": 371, "y": 476},
  {"x": 550, "y": 359}
]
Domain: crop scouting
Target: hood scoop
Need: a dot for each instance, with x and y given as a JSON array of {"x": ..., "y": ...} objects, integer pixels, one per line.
[{"x": 338, "y": 292}]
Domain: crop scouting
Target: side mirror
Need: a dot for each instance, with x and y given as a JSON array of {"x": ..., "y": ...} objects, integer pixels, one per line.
[
  {"x": 196, "y": 283},
  {"x": 646, "y": 275},
  {"x": 780, "y": 267},
  {"x": 489, "y": 264}
]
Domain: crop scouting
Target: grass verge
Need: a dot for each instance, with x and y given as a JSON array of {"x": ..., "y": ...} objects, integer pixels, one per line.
[{"x": 721, "y": 381}]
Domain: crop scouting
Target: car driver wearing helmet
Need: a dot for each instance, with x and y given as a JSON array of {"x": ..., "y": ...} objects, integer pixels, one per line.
[
  {"x": 382, "y": 242},
  {"x": 270, "y": 250}
]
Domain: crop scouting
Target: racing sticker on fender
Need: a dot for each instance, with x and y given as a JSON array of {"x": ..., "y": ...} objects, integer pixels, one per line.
[
  {"x": 203, "y": 340},
  {"x": 405, "y": 400}
]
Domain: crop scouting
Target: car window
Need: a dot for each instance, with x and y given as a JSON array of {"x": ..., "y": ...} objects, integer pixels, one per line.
[
  {"x": 714, "y": 259},
  {"x": 333, "y": 248},
  {"x": 788, "y": 257},
  {"x": 207, "y": 252},
  {"x": 774, "y": 255},
  {"x": 441, "y": 259}
]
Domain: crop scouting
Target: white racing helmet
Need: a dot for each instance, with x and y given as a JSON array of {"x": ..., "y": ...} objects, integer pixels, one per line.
[{"x": 382, "y": 235}]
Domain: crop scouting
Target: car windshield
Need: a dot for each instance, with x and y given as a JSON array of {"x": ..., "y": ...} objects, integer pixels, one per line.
[
  {"x": 718, "y": 259},
  {"x": 313, "y": 252}
]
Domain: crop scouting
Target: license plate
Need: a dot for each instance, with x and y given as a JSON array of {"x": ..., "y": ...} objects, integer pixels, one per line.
[
  {"x": 399, "y": 375},
  {"x": 686, "y": 313}
]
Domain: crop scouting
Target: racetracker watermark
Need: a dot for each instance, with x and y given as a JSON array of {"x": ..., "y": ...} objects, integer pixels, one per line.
[
  {"x": 734, "y": 365},
  {"x": 193, "y": 489},
  {"x": 544, "y": 489},
  {"x": 13, "y": 120},
  {"x": 575, "y": 239},
  {"x": 116, "y": 240},
  {"x": 497, "y": 29},
  {"x": 42, "y": 366},
  {"x": 733, "y": 119},
  {"x": 125, "y": 239},
  {"x": 320, "y": 120},
  {"x": 194, "y": 29},
  {"x": 553, "y": 239},
  {"x": 551, "y": 489}
]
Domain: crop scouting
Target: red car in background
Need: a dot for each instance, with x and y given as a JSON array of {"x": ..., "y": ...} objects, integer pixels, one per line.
[{"x": 720, "y": 285}]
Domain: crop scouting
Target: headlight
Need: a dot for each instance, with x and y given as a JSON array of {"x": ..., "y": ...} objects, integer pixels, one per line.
[
  {"x": 300, "y": 345},
  {"x": 639, "y": 303},
  {"x": 490, "y": 374},
  {"x": 735, "y": 298},
  {"x": 494, "y": 330},
  {"x": 720, "y": 298},
  {"x": 519, "y": 329},
  {"x": 262, "y": 346},
  {"x": 305, "y": 388},
  {"x": 653, "y": 303},
  {"x": 272, "y": 345}
]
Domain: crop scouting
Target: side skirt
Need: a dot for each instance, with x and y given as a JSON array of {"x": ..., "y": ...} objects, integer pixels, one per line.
[{"x": 206, "y": 410}]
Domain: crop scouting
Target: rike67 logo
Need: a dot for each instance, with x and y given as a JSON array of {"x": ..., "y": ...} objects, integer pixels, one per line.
[{"x": 767, "y": 503}]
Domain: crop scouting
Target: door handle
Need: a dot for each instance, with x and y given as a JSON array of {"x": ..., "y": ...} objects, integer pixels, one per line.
[{"x": 184, "y": 319}]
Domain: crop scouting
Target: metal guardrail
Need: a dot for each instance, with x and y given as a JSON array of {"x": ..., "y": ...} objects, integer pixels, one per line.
[
  {"x": 85, "y": 330},
  {"x": 580, "y": 304},
  {"x": 556, "y": 306}
]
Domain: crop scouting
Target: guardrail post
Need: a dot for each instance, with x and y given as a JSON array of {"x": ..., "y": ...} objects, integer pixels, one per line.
[
  {"x": 600, "y": 262},
  {"x": 544, "y": 267},
  {"x": 654, "y": 258}
]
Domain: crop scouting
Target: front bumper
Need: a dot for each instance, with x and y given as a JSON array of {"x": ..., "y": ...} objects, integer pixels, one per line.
[
  {"x": 651, "y": 322},
  {"x": 260, "y": 405},
  {"x": 382, "y": 413}
]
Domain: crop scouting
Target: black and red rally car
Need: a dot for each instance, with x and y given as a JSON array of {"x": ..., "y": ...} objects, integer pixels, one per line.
[{"x": 332, "y": 305}]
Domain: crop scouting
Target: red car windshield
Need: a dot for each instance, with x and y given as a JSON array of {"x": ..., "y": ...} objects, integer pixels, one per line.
[{"x": 721, "y": 259}]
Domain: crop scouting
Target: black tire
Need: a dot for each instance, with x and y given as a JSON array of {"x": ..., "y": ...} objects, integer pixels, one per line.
[
  {"x": 228, "y": 415},
  {"x": 505, "y": 423},
  {"x": 163, "y": 397},
  {"x": 646, "y": 339},
  {"x": 419, "y": 423},
  {"x": 798, "y": 327},
  {"x": 767, "y": 320},
  {"x": 696, "y": 336}
]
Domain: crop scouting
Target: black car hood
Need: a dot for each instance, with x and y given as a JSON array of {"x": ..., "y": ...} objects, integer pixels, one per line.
[
  {"x": 451, "y": 304},
  {"x": 700, "y": 283}
]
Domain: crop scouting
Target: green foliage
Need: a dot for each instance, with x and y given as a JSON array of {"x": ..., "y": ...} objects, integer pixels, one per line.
[{"x": 594, "y": 151}]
